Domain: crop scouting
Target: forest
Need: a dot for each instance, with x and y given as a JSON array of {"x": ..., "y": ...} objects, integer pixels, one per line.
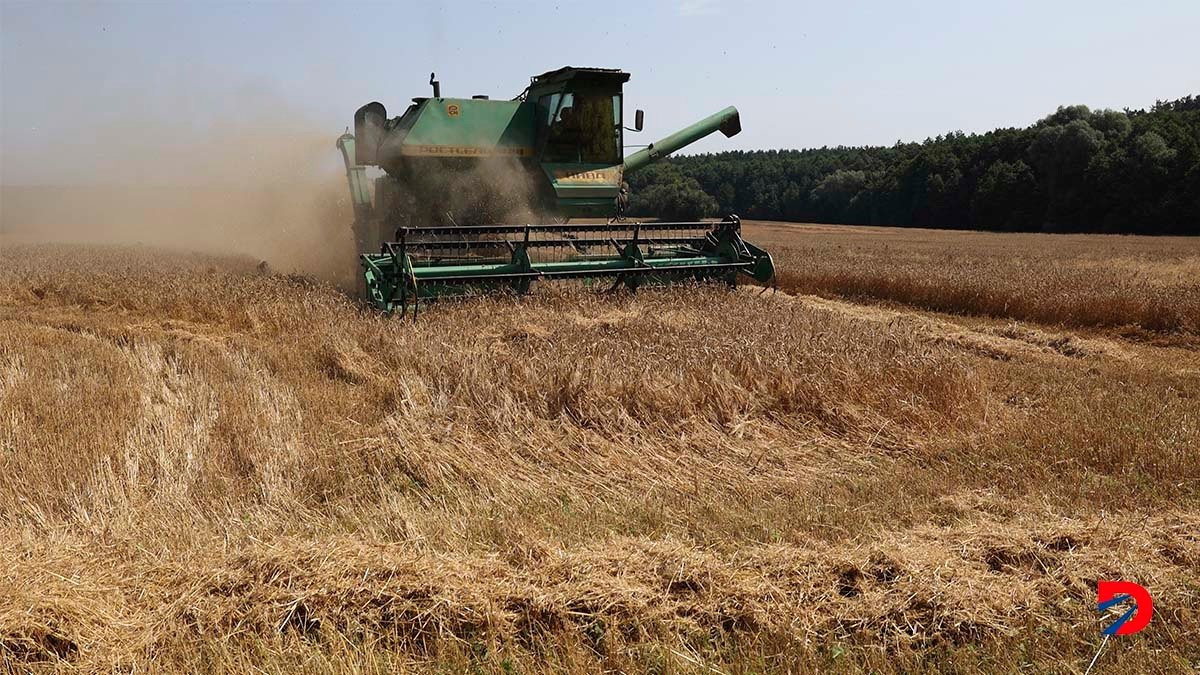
[{"x": 1076, "y": 170}]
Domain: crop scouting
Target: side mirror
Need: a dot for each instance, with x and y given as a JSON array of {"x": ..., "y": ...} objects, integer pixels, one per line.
[{"x": 639, "y": 118}]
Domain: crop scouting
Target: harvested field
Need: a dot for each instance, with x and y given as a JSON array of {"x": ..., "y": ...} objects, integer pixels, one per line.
[{"x": 205, "y": 467}]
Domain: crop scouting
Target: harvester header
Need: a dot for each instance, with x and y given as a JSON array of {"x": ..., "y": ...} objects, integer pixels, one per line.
[{"x": 455, "y": 167}]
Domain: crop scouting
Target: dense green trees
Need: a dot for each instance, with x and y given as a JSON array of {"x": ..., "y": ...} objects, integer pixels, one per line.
[
  {"x": 1076, "y": 170},
  {"x": 670, "y": 195}
]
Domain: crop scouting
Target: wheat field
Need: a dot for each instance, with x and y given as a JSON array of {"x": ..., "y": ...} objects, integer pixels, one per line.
[
  {"x": 1143, "y": 286},
  {"x": 918, "y": 455}
]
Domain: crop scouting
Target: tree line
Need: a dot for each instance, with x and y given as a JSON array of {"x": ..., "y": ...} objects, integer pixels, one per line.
[{"x": 1076, "y": 170}]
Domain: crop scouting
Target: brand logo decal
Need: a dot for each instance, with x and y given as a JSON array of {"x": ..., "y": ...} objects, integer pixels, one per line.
[
  {"x": 1110, "y": 594},
  {"x": 590, "y": 176},
  {"x": 421, "y": 150}
]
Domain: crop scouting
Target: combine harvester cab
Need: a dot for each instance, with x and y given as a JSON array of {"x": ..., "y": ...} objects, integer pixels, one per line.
[{"x": 454, "y": 167}]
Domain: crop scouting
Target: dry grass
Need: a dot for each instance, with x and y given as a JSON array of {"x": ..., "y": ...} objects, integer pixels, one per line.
[
  {"x": 1140, "y": 284},
  {"x": 203, "y": 468}
]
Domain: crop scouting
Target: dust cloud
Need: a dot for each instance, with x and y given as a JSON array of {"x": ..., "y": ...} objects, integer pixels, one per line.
[
  {"x": 490, "y": 190},
  {"x": 267, "y": 185}
]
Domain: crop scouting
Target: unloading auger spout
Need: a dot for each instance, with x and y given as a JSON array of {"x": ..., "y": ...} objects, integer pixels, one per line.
[{"x": 728, "y": 122}]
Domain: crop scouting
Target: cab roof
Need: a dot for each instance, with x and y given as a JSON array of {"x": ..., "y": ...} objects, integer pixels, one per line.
[{"x": 570, "y": 72}]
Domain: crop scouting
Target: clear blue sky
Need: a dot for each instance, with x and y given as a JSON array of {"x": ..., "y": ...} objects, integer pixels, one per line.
[{"x": 73, "y": 75}]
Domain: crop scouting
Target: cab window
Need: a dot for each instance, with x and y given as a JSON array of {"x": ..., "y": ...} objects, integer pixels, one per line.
[{"x": 584, "y": 127}]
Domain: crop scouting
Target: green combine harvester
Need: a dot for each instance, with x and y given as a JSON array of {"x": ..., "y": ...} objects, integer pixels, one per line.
[{"x": 452, "y": 168}]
